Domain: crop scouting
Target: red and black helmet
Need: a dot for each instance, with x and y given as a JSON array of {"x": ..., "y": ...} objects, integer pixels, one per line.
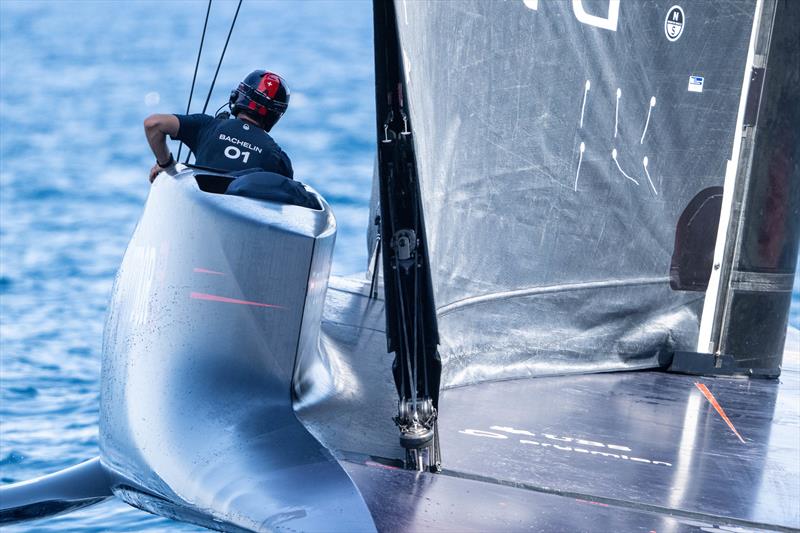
[{"x": 263, "y": 95}]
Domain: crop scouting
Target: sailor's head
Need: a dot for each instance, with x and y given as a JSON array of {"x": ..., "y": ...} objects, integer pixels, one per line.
[{"x": 261, "y": 97}]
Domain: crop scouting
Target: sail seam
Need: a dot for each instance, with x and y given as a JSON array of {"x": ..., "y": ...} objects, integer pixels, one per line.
[{"x": 548, "y": 289}]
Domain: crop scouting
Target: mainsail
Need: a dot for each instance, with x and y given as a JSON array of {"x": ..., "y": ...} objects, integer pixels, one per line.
[{"x": 559, "y": 145}]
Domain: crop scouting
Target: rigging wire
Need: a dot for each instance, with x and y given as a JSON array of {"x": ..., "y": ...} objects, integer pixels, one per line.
[
  {"x": 196, "y": 66},
  {"x": 222, "y": 56},
  {"x": 219, "y": 64},
  {"x": 404, "y": 345},
  {"x": 415, "y": 309},
  {"x": 417, "y": 293},
  {"x": 418, "y": 311},
  {"x": 416, "y": 317},
  {"x": 420, "y": 352}
]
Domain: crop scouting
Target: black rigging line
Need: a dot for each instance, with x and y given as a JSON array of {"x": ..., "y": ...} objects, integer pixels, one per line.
[
  {"x": 196, "y": 66},
  {"x": 221, "y": 57},
  {"x": 415, "y": 305},
  {"x": 219, "y": 64},
  {"x": 403, "y": 341},
  {"x": 417, "y": 290},
  {"x": 416, "y": 319},
  {"x": 407, "y": 345},
  {"x": 418, "y": 306}
]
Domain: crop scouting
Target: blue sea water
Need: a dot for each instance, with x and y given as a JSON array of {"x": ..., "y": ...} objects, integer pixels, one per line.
[{"x": 77, "y": 79}]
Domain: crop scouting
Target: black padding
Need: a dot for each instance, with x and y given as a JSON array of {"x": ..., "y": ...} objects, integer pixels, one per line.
[
  {"x": 695, "y": 236},
  {"x": 272, "y": 187}
]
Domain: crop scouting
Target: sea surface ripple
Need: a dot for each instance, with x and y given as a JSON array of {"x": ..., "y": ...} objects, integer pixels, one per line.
[{"x": 78, "y": 79}]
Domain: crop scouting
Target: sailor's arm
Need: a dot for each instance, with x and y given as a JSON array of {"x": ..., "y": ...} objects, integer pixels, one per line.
[{"x": 156, "y": 128}]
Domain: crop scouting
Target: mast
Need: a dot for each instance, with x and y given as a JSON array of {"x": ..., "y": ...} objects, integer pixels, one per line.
[
  {"x": 747, "y": 305},
  {"x": 411, "y": 326}
]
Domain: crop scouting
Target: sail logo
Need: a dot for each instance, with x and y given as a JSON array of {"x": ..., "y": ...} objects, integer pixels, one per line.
[
  {"x": 696, "y": 84},
  {"x": 609, "y": 22},
  {"x": 673, "y": 23}
]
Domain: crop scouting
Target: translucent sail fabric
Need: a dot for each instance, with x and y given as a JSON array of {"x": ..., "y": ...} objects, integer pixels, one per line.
[{"x": 558, "y": 145}]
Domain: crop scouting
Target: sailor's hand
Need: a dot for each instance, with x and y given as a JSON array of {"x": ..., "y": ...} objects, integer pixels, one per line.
[
  {"x": 159, "y": 167},
  {"x": 155, "y": 171}
]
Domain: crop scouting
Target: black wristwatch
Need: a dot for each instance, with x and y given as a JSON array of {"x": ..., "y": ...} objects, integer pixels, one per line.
[{"x": 169, "y": 163}]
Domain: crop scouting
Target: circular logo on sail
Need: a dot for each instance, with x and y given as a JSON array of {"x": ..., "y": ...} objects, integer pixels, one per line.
[{"x": 673, "y": 24}]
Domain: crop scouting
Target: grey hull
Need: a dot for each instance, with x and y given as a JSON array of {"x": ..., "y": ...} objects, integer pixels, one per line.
[
  {"x": 215, "y": 310},
  {"x": 79, "y": 486}
]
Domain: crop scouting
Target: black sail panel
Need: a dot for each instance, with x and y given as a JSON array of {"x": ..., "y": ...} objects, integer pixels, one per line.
[{"x": 559, "y": 145}]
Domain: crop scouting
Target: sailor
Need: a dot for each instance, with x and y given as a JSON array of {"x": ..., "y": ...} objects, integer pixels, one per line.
[{"x": 224, "y": 143}]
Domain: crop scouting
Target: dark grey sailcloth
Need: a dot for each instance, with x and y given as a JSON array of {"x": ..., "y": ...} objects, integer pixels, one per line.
[{"x": 558, "y": 145}]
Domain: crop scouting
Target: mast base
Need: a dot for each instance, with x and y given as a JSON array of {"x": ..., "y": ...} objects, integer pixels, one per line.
[
  {"x": 419, "y": 435},
  {"x": 708, "y": 364}
]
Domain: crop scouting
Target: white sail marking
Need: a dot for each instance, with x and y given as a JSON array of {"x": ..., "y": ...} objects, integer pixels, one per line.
[
  {"x": 405, "y": 12},
  {"x": 586, "y": 88},
  {"x": 616, "y": 112},
  {"x": 614, "y": 157},
  {"x": 647, "y": 122},
  {"x": 607, "y": 23},
  {"x": 644, "y": 162},
  {"x": 580, "y": 160},
  {"x": 531, "y": 4}
]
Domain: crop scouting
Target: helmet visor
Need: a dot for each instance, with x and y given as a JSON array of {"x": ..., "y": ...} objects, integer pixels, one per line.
[{"x": 262, "y": 99}]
